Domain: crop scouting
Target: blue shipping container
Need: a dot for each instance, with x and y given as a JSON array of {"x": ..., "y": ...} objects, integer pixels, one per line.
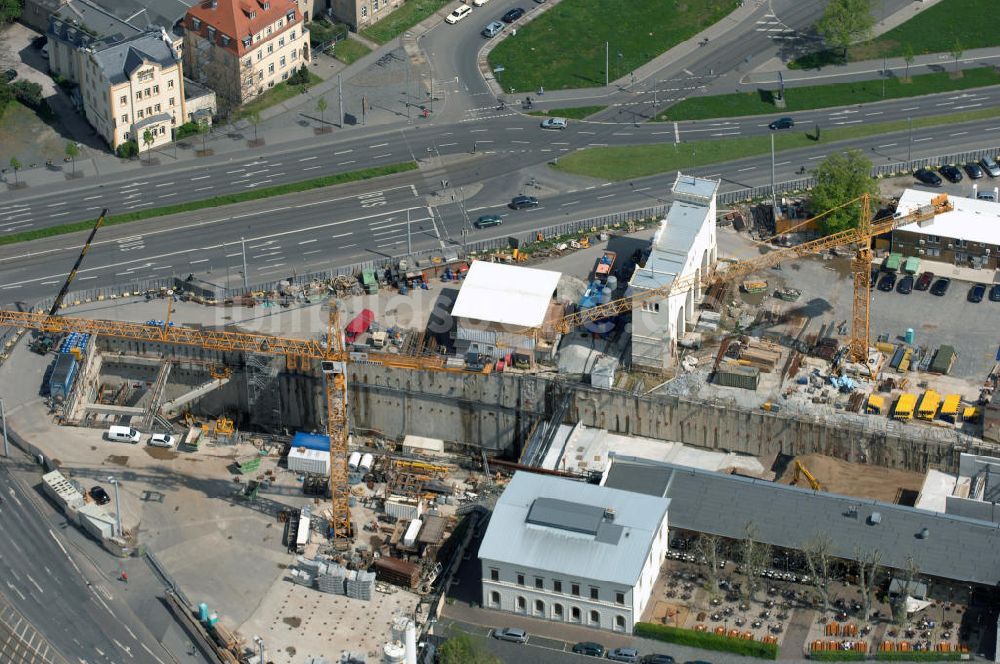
[
  {"x": 63, "y": 374},
  {"x": 311, "y": 441}
]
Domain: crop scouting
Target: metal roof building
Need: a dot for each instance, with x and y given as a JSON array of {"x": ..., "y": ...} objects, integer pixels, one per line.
[
  {"x": 942, "y": 545},
  {"x": 560, "y": 548}
]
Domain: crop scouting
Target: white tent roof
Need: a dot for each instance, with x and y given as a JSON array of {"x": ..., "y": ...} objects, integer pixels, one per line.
[{"x": 507, "y": 294}]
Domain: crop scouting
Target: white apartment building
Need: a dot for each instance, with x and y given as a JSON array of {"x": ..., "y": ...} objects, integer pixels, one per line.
[
  {"x": 685, "y": 245},
  {"x": 573, "y": 552},
  {"x": 241, "y": 48}
]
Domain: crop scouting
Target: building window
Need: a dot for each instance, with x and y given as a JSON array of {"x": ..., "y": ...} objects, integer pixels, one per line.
[
  {"x": 267, "y": 5},
  {"x": 260, "y": 76},
  {"x": 249, "y": 80},
  {"x": 292, "y": 36},
  {"x": 170, "y": 84},
  {"x": 495, "y": 599},
  {"x": 557, "y": 586},
  {"x": 225, "y": 40},
  {"x": 163, "y": 130},
  {"x": 146, "y": 92},
  {"x": 282, "y": 62},
  {"x": 270, "y": 68},
  {"x": 574, "y": 614},
  {"x": 270, "y": 84},
  {"x": 933, "y": 239},
  {"x": 246, "y": 44},
  {"x": 539, "y": 583},
  {"x": 290, "y": 16},
  {"x": 124, "y": 118},
  {"x": 619, "y": 597},
  {"x": 522, "y": 605},
  {"x": 280, "y": 22},
  {"x": 619, "y": 623},
  {"x": 295, "y": 55},
  {"x": 593, "y": 593},
  {"x": 933, "y": 252},
  {"x": 260, "y": 55},
  {"x": 494, "y": 575},
  {"x": 171, "y": 101},
  {"x": 595, "y": 619},
  {"x": 123, "y": 100},
  {"x": 211, "y": 33},
  {"x": 149, "y": 110},
  {"x": 284, "y": 77},
  {"x": 364, "y": 11},
  {"x": 138, "y": 95},
  {"x": 539, "y": 607},
  {"x": 270, "y": 48},
  {"x": 281, "y": 42},
  {"x": 195, "y": 24},
  {"x": 138, "y": 113},
  {"x": 575, "y": 589},
  {"x": 374, "y": 5},
  {"x": 520, "y": 579},
  {"x": 269, "y": 30},
  {"x": 156, "y": 89},
  {"x": 253, "y": 15},
  {"x": 157, "y": 108},
  {"x": 557, "y": 611},
  {"x": 960, "y": 243}
]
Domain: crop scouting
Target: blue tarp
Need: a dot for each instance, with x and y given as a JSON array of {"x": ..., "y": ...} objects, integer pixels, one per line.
[{"x": 311, "y": 441}]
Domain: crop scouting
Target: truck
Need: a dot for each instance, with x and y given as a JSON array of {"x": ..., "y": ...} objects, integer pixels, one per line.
[
  {"x": 359, "y": 325},
  {"x": 63, "y": 375},
  {"x": 604, "y": 265}
]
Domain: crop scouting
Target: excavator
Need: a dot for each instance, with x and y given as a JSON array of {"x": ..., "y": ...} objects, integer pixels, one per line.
[{"x": 800, "y": 472}]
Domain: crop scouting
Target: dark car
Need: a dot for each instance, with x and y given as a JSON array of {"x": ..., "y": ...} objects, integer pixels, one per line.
[
  {"x": 974, "y": 170},
  {"x": 951, "y": 173},
  {"x": 977, "y": 292},
  {"x": 928, "y": 177},
  {"x": 10, "y": 75},
  {"x": 487, "y": 220},
  {"x": 924, "y": 281},
  {"x": 521, "y": 202},
  {"x": 512, "y": 15},
  {"x": 656, "y": 658},
  {"x": 887, "y": 283},
  {"x": 905, "y": 285},
  {"x": 940, "y": 286},
  {"x": 589, "y": 648},
  {"x": 100, "y": 496},
  {"x": 995, "y": 293},
  {"x": 782, "y": 123}
]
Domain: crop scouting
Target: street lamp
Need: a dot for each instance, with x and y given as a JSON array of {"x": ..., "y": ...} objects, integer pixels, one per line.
[
  {"x": 3, "y": 416},
  {"x": 118, "y": 505}
]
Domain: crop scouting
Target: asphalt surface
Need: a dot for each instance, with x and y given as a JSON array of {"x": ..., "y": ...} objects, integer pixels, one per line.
[{"x": 79, "y": 613}]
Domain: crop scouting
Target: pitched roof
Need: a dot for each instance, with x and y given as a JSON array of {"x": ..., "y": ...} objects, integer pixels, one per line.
[
  {"x": 560, "y": 525},
  {"x": 942, "y": 545},
  {"x": 238, "y": 19}
]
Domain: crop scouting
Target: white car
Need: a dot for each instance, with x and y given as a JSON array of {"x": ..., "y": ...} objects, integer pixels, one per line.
[
  {"x": 479, "y": 3},
  {"x": 162, "y": 440},
  {"x": 554, "y": 123},
  {"x": 460, "y": 12}
]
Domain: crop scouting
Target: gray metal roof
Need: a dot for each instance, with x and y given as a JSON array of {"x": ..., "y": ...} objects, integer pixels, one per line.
[
  {"x": 952, "y": 547},
  {"x": 671, "y": 245},
  {"x": 119, "y": 61},
  {"x": 82, "y": 23},
  {"x": 574, "y": 529},
  {"x": 689, "y": 186}
]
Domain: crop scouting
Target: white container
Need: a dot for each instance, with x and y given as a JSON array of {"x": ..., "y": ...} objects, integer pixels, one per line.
[
  {"x": 410, "y": 538},
  {"x": 366, "y": 462},
  {"x": 353, "y": 461},
  {"x": 302, "y": 460},
  {"x": 404, "y": 509}
]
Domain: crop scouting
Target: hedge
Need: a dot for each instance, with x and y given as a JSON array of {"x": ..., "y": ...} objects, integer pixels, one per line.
[
  {"x": 838, "y": 656},
  {"x": 922, "y": 656},
  {"x": 707, "y": 640},
  {"x": 185, "y": 130}
]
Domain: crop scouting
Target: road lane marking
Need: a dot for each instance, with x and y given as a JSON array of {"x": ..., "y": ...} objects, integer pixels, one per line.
[
  {"x": 380, "y": 145},
  {"x": 307, "y": 158},
  {"x": 342, "y": 152}
]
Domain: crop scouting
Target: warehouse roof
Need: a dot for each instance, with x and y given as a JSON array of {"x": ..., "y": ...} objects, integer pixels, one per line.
[
  {"x": 573, "y": 528},
  {"x": 972, "y": 219},
  {"x": 506, "y": 294},
  {"x": 942, "y": 545}
]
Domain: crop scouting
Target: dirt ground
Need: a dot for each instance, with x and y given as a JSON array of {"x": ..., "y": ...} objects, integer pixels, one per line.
[{"x": 853, "y": 479}]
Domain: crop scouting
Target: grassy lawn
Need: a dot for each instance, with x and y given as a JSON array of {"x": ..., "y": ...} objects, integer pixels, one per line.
[
  {"x": 217, "y": 201},
  {"x": 349, "y": 50},
  {"x": 578, "y": 113},
  {"x": 634, "y": 161},
  {"x": 279, "y": 93},
  {"x": 823, "y": 96},
  {"x": 564, "y": 47},
  {"x": 401, "y": 20}
]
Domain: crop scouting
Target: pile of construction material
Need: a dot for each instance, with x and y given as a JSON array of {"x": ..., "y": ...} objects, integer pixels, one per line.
[
  {"x": 756, "y": 353},
  {"x": 333, "y": 578}
]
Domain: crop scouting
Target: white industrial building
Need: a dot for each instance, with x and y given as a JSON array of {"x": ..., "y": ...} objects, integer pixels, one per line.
[
  {"x": 685, "y": 244},
  {"x": 968, "y": 235},
  {"x": 573, "y": 552},
  {"x": 504, "y": 309}
]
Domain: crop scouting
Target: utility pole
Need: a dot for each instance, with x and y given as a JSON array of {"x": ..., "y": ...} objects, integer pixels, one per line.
[
  {"x": 118, "y": 506},
  {"x": 656, "y": 85},
  {"x": 364, "y": 104},
  {"x": 409, "y": 239},
  {"x": 909, "y": 146},
  {"x": 606, "y": 50},
  {"x": 340, "y": 99},
  {"x": 431, "y": 93},
  {"x": 774, "y": 193},
  {"x": 885, "y": 73},
  {"x": 6, "y": 444},
  {"x": 243, "y": 243}
]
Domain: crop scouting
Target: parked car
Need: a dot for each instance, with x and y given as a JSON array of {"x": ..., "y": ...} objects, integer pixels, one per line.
[
  {"x": 487, "y": 220},
  {"x": 782, "y": 123},
  {"x": 973, "y": 170},
  {"x": 100, "y": 496},
  {"x": 492, "y": 29},
  {"x": 479, "y": 3},
  {"x": 928, "y": 177},
  {"x": 977, "y": 292},
  {"x": 924, "y": 281},
  {"x": 995, "y": 293},
  {"x": 162, "y": 440},
  {"x": 990, "y": 166},
  {"x": 458, "y": 14},
  {"x": 951, "y": 173},
  {"x": 656, "y": 658},
  {"x": 512, "y": 15},
  {"x": 554, "y": 123},
  {"x": 589, "y": 648},
  {"x": 905, "y": 285},
  {"x": 630, "y": 655},
  {"x": 940, "y": 286},
  {"x": 887, "y": 283},
  {"x": 514, "y": 634},
  {"x": 521, "y": 202}
]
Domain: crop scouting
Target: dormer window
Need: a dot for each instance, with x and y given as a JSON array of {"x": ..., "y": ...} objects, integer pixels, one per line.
[
  {"x": 225, "y": 40},
  {"x": 290, "y": 16},
  {"x": 267, "y": 5},
  {"x": 246, "y": 42},
  {"x": 211, "y": 33},
  {"x": 253, "y": 15}
]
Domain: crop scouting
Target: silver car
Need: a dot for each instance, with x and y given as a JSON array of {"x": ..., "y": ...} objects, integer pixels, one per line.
[
  {"x": 554, "y": 123},
  {"x": 515, "y": 634},
  {"x": 990, "y": 166}
]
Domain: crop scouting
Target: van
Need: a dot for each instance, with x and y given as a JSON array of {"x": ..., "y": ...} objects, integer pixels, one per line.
[
  {"x": 123, "y": 435},
  {"x": 460, "y": 12}
]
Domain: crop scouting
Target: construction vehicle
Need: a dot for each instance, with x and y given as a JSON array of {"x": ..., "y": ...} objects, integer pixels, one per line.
[
  {"x": 800, "y": 472},
  {"x": 43, "y": 341}
]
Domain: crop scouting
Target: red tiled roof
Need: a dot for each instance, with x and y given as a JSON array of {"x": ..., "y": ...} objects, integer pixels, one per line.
[{"x": 233, "y": 19}]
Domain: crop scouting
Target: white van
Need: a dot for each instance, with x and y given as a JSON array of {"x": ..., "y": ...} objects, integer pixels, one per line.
[
  {"x": 460, "y": 12},
  {"x": 123, "y": 435}
]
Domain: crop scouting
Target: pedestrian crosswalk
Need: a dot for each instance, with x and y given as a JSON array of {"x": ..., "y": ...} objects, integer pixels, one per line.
[{"x": 20, "y": 642}]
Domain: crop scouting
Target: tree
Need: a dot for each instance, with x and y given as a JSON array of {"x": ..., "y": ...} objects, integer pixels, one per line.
[
  {"x": 708, "y": 548},
  {"x": 818, "y": 559},
  {"x": 869, "y": 564},
  {"x": 10, "y": 10},
  {"x": 147, "y": 140},
  {"x": 756, "y": 556},
  {"x": 841, "y": 177},
  {"x": 254, "y": 118},
  {"x": 72, "y": 152},
  {"x": 321, "y": 106},
  {"x": 15, "y": 163},
  {"x": 899, "y": 604},
  {"x": 908, "y": 57},
  {"x": 956, "y": 52},
  {"x": 203, "y": 130},
  {"x": 846, "y": 22},
  {"x": 463, "y": 649}
]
